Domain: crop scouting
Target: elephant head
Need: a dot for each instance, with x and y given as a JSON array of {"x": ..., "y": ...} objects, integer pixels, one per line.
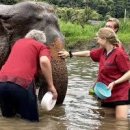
[{"x": 16, "y": 20}]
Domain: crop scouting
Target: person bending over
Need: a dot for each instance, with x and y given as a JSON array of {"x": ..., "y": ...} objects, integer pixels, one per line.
[{"x": 17, "y": 76}]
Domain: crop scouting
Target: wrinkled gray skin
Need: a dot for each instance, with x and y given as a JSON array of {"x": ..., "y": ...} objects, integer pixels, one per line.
[{"x": 16, "y": 20}]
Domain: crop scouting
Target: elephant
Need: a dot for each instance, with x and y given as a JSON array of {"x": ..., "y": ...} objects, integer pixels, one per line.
[{"x": 18, "y": 19}]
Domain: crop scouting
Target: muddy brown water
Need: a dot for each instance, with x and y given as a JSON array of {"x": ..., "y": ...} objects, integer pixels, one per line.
[{"x": 80, "y": 111}]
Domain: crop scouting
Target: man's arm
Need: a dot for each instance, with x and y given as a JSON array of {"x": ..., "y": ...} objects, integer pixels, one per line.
[{"x": 47, "y": 73}]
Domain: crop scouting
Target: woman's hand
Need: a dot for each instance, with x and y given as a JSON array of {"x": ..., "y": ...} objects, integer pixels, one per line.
[
  {"x": 63, "y": 54},
  {"x": 111, "y": 85}
]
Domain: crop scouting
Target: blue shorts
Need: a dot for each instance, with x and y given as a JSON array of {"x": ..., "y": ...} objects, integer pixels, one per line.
[{"x": 16, "y": 100}]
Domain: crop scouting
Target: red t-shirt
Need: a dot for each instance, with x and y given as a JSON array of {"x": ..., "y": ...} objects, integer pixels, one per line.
[
  {"x": 23, "y": 62},
  {"x": 112, "y": 67}
]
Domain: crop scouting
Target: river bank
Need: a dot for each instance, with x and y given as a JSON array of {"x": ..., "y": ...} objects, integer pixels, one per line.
[
  {"x": 78, "y": 37},
  {"x": 88, "y": 45}
]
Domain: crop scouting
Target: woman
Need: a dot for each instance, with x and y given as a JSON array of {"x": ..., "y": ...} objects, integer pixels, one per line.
[{"x": 113, "y": 70}]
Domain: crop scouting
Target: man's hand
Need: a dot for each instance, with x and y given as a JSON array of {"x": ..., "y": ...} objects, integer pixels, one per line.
[
  {"x": 54, "y": 92},
  {"x": 47, "y": 73}
]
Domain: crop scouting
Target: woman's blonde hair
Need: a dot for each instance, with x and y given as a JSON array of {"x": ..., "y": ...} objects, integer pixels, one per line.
[
  {"x": 37, "y": 35},
  {"x": 109, "y": 35}
]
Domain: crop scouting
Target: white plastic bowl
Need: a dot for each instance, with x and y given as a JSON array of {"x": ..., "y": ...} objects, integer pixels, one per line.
[{"x": 47, "y": 103}]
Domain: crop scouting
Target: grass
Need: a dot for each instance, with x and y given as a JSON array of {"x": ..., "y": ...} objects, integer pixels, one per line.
[
  {"x": 124, "y": 33},
  {"x": 75, "y": 34}
]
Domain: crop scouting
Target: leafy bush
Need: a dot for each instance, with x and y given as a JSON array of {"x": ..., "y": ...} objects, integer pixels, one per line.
[
  {"x": 76, "y": 15},
  {"x": 8, "y": 2}
]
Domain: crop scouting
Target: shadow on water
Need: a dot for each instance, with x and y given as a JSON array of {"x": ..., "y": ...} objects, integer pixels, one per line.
[{"x": 80, "y": 111}]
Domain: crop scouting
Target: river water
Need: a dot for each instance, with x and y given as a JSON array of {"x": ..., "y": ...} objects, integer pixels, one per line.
[{"x": 80, "y": 111}]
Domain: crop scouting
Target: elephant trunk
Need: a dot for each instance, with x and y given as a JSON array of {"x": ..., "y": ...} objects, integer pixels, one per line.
[{"x": 59, "y": 70}]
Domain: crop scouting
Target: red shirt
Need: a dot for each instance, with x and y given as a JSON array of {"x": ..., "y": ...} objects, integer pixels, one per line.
[
  {"x": 111, "y": 68},
  {"x": 23, "y": 62}
]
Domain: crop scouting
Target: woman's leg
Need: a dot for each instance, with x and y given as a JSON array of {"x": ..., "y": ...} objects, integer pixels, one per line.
[{"x": 121, "y": 111}]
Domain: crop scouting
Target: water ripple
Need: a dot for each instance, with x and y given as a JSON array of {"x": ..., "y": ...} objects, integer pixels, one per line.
[{"x": 80, "y": 111}]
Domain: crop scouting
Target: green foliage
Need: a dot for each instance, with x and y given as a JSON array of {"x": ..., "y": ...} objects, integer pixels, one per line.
[
  {"x": 114, "y": 8},
  {"x": 75, "y": 34},
  {"x": 7, "y": 2},
  {"x": 124, "y": 33},
  {"x": 76, "y": 15}
]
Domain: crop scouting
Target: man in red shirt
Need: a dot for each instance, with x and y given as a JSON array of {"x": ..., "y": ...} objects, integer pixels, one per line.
[{"x": 17, "y": 92}]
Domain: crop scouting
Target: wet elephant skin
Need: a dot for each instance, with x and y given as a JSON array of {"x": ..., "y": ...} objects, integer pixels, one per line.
[{"x": 16, "y": 20}]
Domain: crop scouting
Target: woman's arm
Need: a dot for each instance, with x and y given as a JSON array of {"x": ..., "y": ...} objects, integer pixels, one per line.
[
  {"x": 123, "y": 78},
  {"x": 65, "y": 54}
]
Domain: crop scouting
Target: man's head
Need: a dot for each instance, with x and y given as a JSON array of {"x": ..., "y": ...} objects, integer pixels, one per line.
[
  {"x": 37, "y": 35},
  {"x": 113, "y": 23}
]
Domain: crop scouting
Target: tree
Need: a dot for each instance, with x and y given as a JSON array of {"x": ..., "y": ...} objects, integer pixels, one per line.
[
  {"x": 102, "y": 7},
  {"x": 119, "y": 7},
  {"x": 8, "y": 2},
  {"x": 114, "y": 8},
  {"x": 127, "y": 7}
]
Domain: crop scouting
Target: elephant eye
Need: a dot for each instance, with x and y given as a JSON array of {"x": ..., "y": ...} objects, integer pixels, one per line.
[
  {"x": 5, "y": 17},
  {"x": 38, "y": 18}
]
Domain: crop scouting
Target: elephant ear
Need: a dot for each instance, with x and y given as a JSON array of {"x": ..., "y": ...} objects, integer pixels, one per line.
[
  {"x": 4, "y": 38},
  {"x": 6, "y": 13},
  {"x": 8, "y": 30}
]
